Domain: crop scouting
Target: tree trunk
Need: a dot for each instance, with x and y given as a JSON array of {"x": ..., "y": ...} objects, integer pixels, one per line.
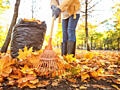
[
  {"x": 118, "y": 43},
  {"x": 82, "y": 44},
  {"x": 94, "y": 45},
  {"x": 86, "y": 27},
  {"x": 91, "y": 43},
  {"x": 107, "y": 44},
  {"x": 8, "y": 38}
]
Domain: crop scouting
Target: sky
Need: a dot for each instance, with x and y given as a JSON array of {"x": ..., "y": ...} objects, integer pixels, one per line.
[{"x": 42, "y": 12}]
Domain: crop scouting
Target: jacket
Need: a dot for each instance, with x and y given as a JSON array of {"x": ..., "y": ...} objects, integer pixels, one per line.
[{"x": 71, "y": 6}]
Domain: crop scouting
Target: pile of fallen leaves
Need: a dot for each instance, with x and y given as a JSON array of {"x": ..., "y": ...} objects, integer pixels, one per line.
[
  {"x": 22, "y": 71},
  {"x": 33, "y": 20}
]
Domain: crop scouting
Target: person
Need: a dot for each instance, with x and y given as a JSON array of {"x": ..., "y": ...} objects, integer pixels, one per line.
[{"x": 70, "y": 10}]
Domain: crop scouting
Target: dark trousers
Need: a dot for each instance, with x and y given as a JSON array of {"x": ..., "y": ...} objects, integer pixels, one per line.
[
  {"x": 68, "y": 28},
  {"x": 69, "y": 37}
]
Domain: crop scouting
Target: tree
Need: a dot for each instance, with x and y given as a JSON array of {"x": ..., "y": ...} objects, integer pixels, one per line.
[
  {"x": 4, "y": 6},
  {"x": 86, "y": 27},
  {"x": 88, "y": 9},
  {"x": 117, "y": 22},
  {"x": 81, "y": 35},
  {"x": 14, "y": 19}
]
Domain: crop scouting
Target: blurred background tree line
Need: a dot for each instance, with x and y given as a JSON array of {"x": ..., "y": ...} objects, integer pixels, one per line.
[
  {"x": 4, "y": 5},
  {"x": 106, "y": 40}
]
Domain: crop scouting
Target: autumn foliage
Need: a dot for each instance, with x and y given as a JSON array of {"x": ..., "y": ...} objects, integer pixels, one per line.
[{"x": 24, "y": 72}]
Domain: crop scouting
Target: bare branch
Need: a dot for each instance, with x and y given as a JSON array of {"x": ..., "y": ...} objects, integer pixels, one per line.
[
  {"x": 105, "y": 21},
  {"x": 94, "y": 5},
  {"x": 91, "y": 11},
  {"x": 95, "y": 11},
  {"x": 89, "y": 1},
  {"x": 82, "y": 12}
]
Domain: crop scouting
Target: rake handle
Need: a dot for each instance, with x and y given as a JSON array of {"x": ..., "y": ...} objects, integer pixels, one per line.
[{"x": 51, "y": 32}]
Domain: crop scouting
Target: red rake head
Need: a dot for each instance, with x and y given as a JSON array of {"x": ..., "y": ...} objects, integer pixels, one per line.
[{"x": 49, "y": 62}]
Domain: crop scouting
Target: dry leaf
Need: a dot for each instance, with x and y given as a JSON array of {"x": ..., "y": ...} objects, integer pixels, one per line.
[
  {"x": 83, "y": 87},
  {"x": 33, "y": 20},
  {"x": 34, "y": 81},
  {"x": 11, "y": 82},
  {"x": 43, "y": 83},
  {"x": 55, "y": 83},
  {"x": 100, "y": 71},
  {"x": 74, "y": 85},
  {"x": 24, "y": 54},
  {"x": 5, "y": 65},
  {"x": 100, "y": 86},
  {"x": 116, "y": 81},
  {"x": 31, "y": 85},
  {"x": 21, "y": 85},
  {"x": 72, "y": 80},
  {"x": 94, "y": 74},
  {"x": 14, "y": 76},
  {"x": 25, "y": 79},
  {"x": 1, "y": 79},
  {"x": 27, "y": 70},
  {"x": 84, "y": 77},
  {"x": 89, "y": 55},
  {"x": 115, "y": 86}
]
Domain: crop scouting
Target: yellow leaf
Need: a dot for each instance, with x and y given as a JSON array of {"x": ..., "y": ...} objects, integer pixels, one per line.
[
  {"x": 34, "y": 81},
  {"x": 21, "y": 55},
  {"x": 83, "y": 87},
  {"x": 33, "y": 20},
  {"x": 11, "y": 82},
  {"x": 14, "y": 76},
  {"x": 70, "y": 58},
  {"x": 84, "y": 76},
  {"x": 100, "y": 71},
  {"x": 89, "y": 55},
  {"x": 115, "y": 86},
  {"x": 118, "y": 80},
  {"x": 85, "y": 67},
  {"x": 27, "y": 70},
  {"x": 24, "y": 54},
  {"x": 118, "y": 72},
  {"x": 94, "y": 74},
  {"x": 1, "y": 79}
]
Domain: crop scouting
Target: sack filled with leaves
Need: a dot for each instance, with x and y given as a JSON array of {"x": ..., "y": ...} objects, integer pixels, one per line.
[{"x": 28, "y": 33}]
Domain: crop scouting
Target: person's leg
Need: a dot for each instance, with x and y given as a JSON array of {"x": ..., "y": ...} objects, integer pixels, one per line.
[
  {"x": 71, "y": 45},
  {"x": 65, "y": 36}
]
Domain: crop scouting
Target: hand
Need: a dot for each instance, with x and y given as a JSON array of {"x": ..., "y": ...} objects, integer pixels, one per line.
[
  {"x": 53, "y": 7},
  {"x": 56, "y": 12}
]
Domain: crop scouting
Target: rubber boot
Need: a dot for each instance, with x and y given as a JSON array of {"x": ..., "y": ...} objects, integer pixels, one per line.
[
  {"x": 64, "y": 48},
  {"x": 71, "y": 46}
]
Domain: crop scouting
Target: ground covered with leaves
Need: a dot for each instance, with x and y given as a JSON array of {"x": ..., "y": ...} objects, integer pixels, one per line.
[{"x": 88, "y": 71}]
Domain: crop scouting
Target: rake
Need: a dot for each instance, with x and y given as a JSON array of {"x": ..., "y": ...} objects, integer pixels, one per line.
[{"x": 49, "y": 61}]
